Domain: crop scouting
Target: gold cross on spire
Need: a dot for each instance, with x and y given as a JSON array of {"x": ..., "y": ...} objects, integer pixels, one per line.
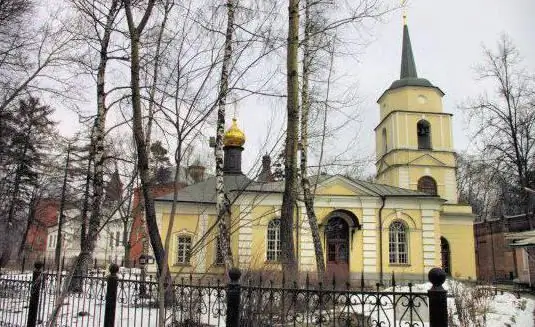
[{"x": 404, "y": 9}]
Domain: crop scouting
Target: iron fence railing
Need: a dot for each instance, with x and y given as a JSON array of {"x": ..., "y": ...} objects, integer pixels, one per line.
[{"x": 125, "y": 300}]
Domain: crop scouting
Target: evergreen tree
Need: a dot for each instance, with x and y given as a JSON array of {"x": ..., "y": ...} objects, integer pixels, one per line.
[{"x": 22, "y": 160}]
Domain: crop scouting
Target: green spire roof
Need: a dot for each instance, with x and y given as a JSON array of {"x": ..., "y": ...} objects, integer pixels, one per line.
[
  {"x": 408, "y": 67},
  {"x": 408, "y": 75}
]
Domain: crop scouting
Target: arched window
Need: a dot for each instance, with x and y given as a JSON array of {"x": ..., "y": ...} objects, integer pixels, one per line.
[
  {"x": 423, "y": 129},
  {"x": 385, "y": 140},
  {"x": 428, "y": 185},
  {"x": 183, "y": 249},
  {"x": 273, "y": 252},
  {"x": 398, "y": 243}
]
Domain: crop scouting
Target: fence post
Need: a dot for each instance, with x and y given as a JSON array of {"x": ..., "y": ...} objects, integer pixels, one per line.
[
  {"x": 111, "y": 296},
  {"x": 438, "y": 303},
  {"x": 23, "y": 264},
  {"x": 233, "y": 298},
  {"x": 34, "y": 295}
]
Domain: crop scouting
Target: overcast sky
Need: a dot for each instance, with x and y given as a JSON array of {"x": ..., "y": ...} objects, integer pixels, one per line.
[{"x": 447, "y": 39}]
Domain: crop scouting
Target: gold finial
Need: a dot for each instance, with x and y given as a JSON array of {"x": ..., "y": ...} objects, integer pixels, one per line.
[
  {"x": 234, "y": 136},
  {"x": 404, "y": 8}
]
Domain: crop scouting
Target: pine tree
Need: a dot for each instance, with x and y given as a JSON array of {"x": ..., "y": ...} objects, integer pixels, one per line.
[{"x": 22, "y": 158}]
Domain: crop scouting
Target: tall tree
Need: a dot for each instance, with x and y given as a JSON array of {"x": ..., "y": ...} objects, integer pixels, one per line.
[
  {"x": 289, "y": 198},
  {"x": 135, "y": 31},
  {"x": 308, "y": 196},
  {"x": 21, "y": 163},
  {"x": 104, "y": 23},
  {"x": 222, "y": 201},
  {"x": 506, "y": 118}
]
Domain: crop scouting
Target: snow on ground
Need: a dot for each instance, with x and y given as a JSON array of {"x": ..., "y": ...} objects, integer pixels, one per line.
[
  {"x": 479, "y": 305},
  {"x": 508, "y": 310}
]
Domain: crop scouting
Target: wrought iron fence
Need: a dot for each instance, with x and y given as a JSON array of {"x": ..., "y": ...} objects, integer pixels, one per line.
[{"x": 125, "y": 300}]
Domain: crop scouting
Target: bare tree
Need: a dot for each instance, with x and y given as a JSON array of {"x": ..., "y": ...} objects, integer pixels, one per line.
[
  {"x": 135, "y": 31},
  {"x": 101, "y": 17},
  {"x": 222, "y": 201},
  {"x": 305, "y": 110},
  {"x": 289, "y": 198},
  {"x": 505, "y": 120}
]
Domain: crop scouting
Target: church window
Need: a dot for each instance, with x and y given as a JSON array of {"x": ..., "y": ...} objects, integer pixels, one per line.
[
  {"x": 385, "y": 141},
  {"x": 273, "y": 252},
  {"x": 445, "y": 255},
  {"x": 427, "y": 185},
  {"x": 398, "y": 243},
  {"x": 183, "y": 249},
  {"x": 423, "y": 129}
]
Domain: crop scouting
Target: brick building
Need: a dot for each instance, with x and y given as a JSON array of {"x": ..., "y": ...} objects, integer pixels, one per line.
[
  {"x": 496, "y": 257},
  {"x": 46, "y": 215}
]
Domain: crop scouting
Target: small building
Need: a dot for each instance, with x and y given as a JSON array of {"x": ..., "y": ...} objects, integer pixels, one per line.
[
  {"x": 497, "y": 258},
  {"x": 523, "y": 244},
  {"x": 108, "y": 248},
  {"x": 45, "y": 215}
]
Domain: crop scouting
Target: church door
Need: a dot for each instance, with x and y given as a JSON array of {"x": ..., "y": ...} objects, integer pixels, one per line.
[
  {"x": 337, "y": 240},
  {"x": 445, "y": 255}
]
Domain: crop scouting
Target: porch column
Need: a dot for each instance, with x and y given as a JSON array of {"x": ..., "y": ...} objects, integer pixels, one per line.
[
  {"x": 369, "y": 240},
  {"x": 307, "y": 260},
  {"x": 245, "y": 237},
  {"x": 431, "y": 248}
]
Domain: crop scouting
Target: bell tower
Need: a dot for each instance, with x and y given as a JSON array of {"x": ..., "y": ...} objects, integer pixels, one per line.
[{"x": 414, "y": 143}]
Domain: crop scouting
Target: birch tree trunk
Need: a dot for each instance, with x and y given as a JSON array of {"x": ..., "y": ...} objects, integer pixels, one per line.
[
  {"x": 139, "y": 135},
  {"x": 305, "y": 182},
  {"x": 222, "y": 202},
  {"x": 98, "y": 132},
  {"x": 289, "y": 197}
]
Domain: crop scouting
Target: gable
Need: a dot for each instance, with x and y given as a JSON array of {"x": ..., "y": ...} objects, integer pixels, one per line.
[
  {"x": 339, "y": 185},
  {"x": 427, "y": 160}
]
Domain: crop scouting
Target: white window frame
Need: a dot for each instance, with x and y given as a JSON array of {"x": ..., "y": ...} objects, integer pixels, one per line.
[
  {"x": 273, "y": 241},
  {"x": 398, "y": 243}
]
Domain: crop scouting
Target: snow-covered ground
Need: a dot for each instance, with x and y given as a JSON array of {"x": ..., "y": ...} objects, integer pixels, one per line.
[
  {"x": 504, "y": 309},
  {"x": 468, "y": 305}
]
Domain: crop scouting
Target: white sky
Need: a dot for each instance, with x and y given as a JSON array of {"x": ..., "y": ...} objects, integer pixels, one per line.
[{"x": 447, "y": 39}]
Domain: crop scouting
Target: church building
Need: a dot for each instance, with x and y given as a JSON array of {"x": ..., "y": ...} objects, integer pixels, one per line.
[{"x": 406, "y": 222}]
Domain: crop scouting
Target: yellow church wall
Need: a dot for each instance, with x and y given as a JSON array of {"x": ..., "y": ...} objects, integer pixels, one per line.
[
  {"x": 186, "y": 224},
  {"x": 412, "y": 219},
  {"x": 411, "y": 99},
  {"x": 262, "y": 215},
  {"x": 461, "y": 240},
  {"x": 401, "y": 132}
]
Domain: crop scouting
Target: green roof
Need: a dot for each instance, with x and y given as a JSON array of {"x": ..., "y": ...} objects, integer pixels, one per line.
[
  {"x": 204, "y": 192},
  {"x": 408, "y": 75}
]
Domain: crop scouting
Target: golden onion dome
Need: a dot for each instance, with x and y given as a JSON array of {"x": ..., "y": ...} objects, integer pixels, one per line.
[{"x": 234, "y": 136}]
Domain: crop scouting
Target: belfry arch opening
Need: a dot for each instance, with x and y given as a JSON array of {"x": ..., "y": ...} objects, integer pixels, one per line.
[
  {"x": 427, "y": 185},
  {"x": 423, "y": 130}
]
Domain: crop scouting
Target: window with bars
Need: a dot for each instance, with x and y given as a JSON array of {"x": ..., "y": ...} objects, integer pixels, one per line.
[
  {"x": 183, "y": 249},
  {"x": 273, "y": 252},
  {"x": 427, "y": 185},
  {"x": 398, "y": 243}
]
